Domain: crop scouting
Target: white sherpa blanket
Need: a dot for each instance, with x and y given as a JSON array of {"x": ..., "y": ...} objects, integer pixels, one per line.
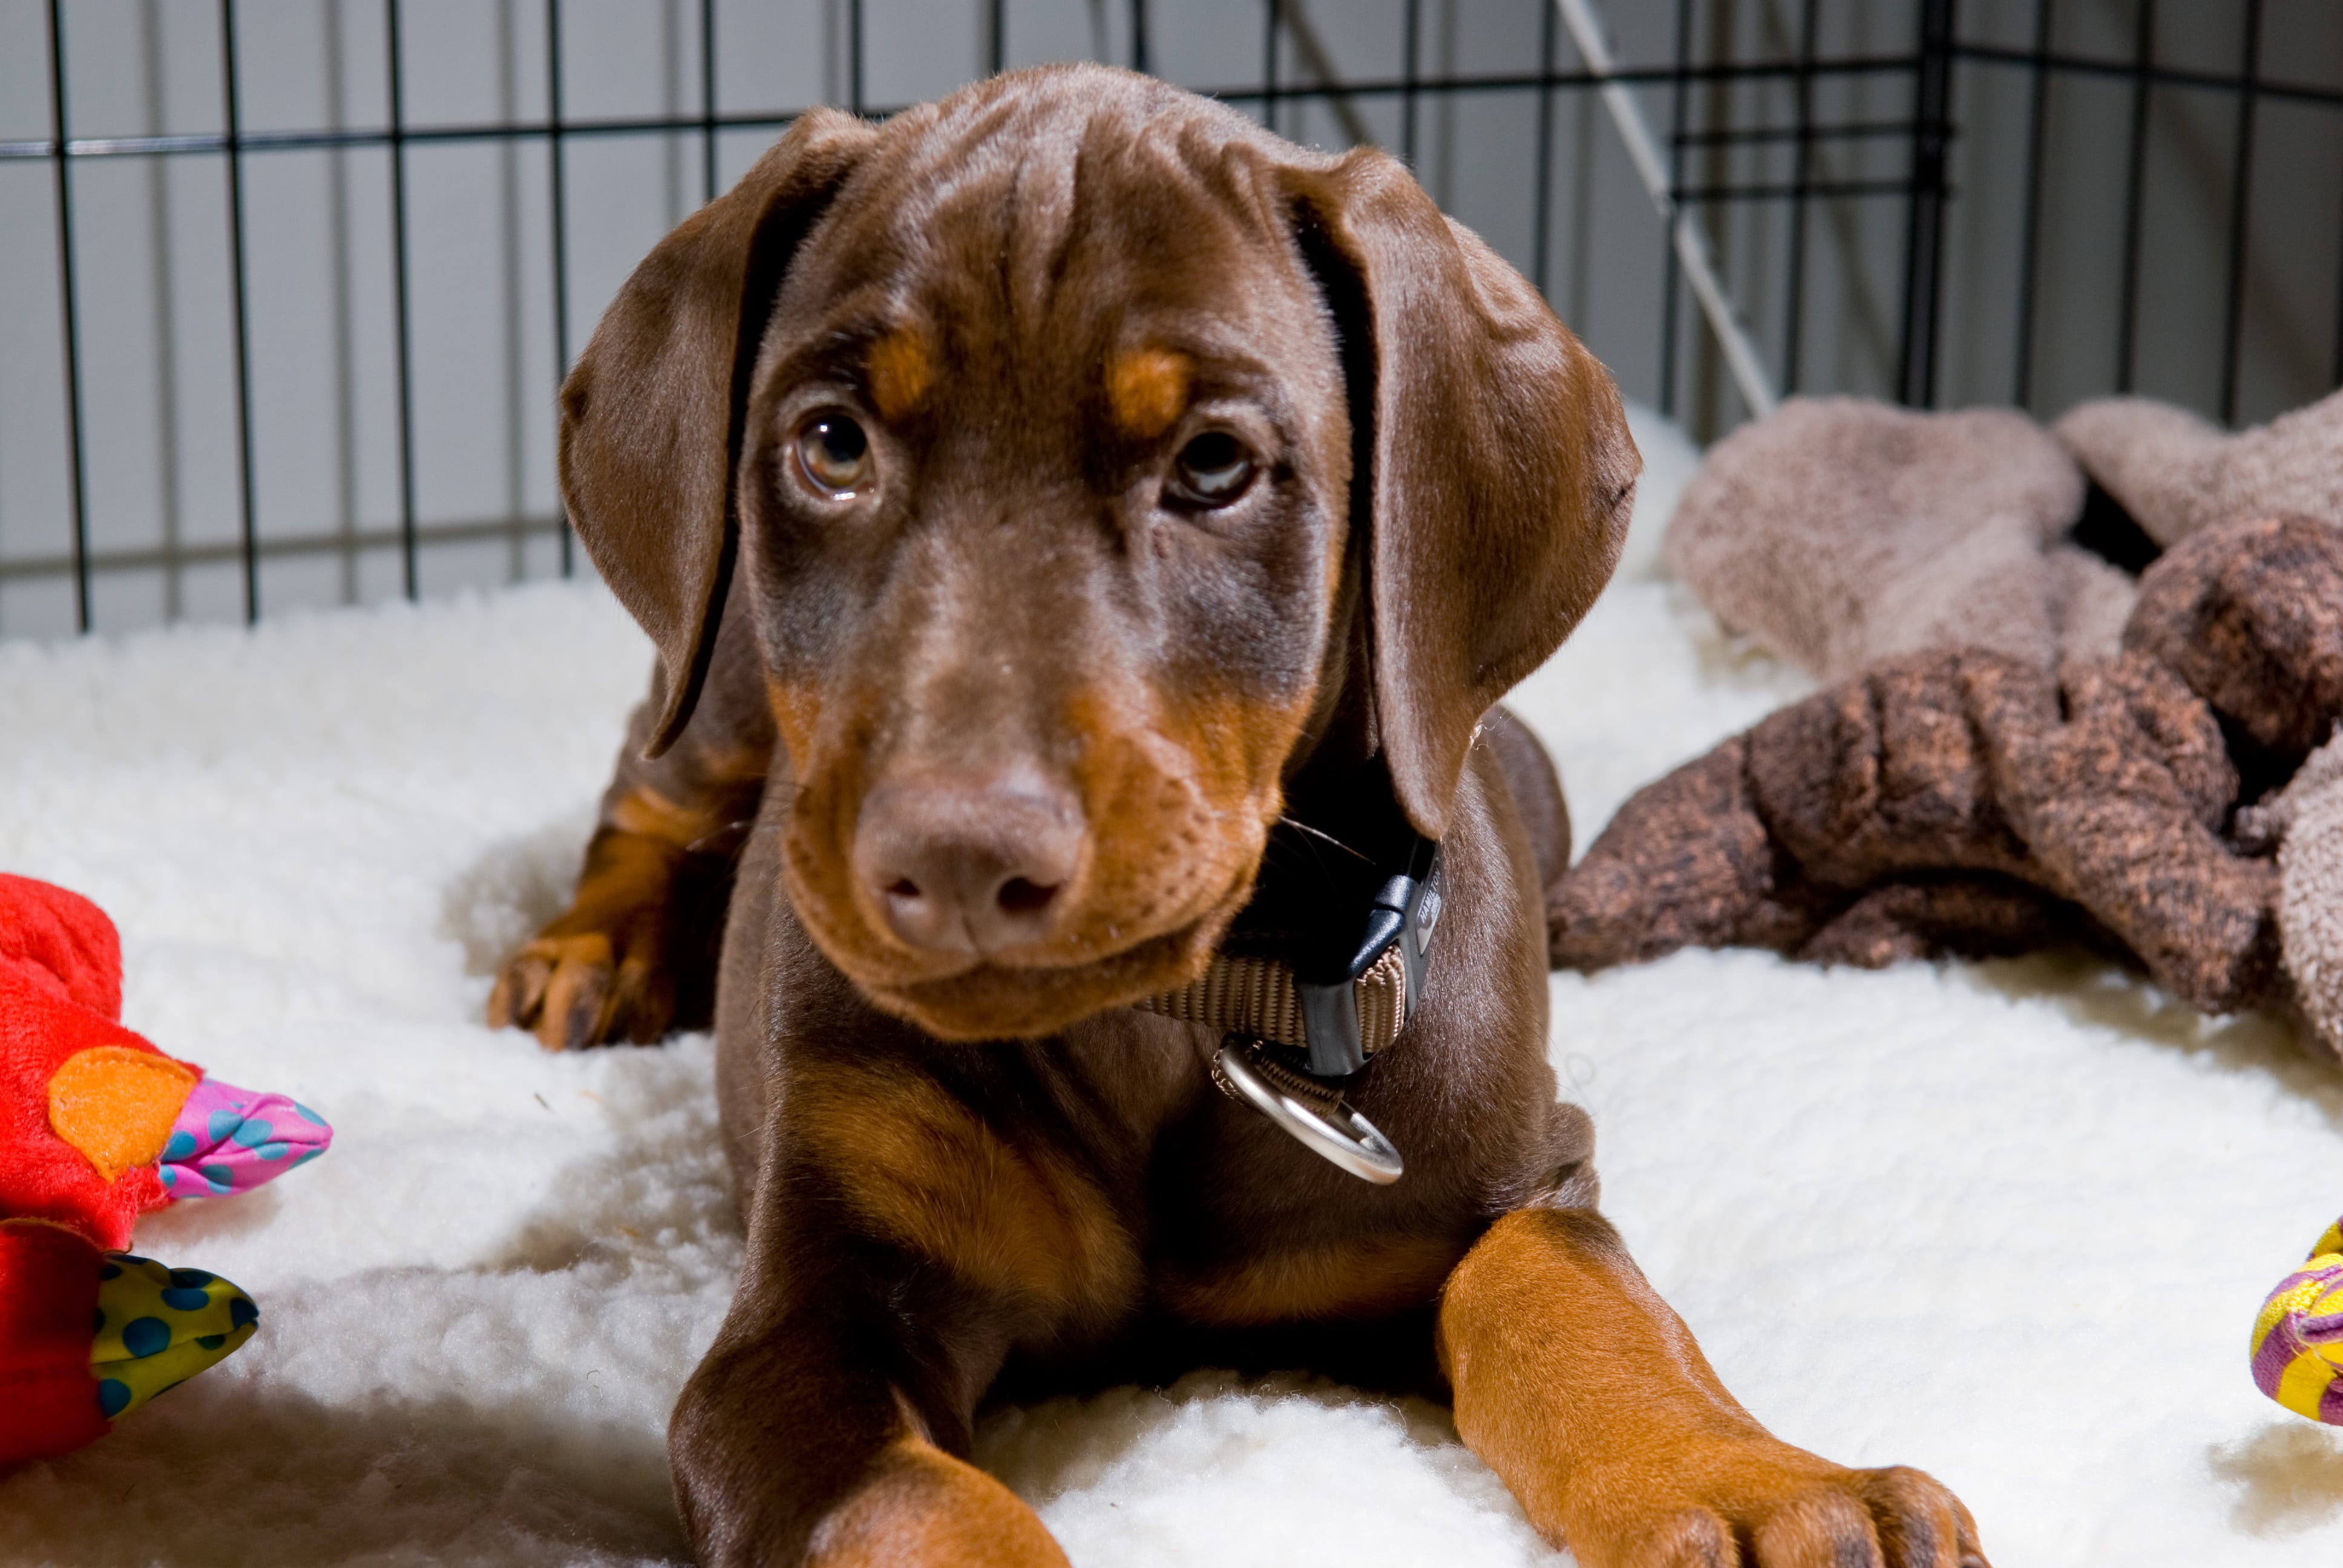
[{"x": 2006, "y": 1222}]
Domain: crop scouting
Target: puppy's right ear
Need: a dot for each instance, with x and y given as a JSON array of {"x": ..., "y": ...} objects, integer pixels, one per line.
[{"x": 651, "y": 417}]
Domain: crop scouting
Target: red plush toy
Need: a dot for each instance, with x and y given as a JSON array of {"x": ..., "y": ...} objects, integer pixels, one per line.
[{"x": 96, "y": 1127}]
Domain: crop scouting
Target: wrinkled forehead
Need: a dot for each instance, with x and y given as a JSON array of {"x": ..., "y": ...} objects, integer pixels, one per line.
[{"x": 1022, "y": 239}]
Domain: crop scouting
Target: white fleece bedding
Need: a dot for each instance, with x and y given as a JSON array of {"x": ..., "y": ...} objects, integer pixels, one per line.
[{"x": 2006, "y": 1222}]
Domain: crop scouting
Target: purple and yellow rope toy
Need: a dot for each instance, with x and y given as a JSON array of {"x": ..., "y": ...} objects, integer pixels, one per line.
[{"x": 2297, "y": 1347}]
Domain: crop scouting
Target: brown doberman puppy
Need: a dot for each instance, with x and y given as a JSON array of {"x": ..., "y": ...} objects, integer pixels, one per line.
[{"x": 1035, "y": 499}]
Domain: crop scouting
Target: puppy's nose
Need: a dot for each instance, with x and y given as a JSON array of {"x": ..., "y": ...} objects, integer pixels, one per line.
[{"x": 962, "y": 864}]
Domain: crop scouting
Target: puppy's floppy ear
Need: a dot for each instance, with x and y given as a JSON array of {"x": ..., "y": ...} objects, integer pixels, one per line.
[
  {"x": 651, "y": 417},
  {"x": 1494, "y": 469}
]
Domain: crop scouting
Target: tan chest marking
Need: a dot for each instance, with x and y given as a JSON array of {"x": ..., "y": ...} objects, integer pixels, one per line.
[
  {"x": 1370, "y": 1277},
  {"x": 928, "y": 1174}
]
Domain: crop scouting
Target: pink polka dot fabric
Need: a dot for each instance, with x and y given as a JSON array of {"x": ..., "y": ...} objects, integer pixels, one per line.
[{"x": 228, "y": 1140}]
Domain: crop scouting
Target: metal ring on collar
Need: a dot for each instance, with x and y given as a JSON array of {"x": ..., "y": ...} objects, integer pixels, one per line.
[{"x": 1343, "y": 1136}]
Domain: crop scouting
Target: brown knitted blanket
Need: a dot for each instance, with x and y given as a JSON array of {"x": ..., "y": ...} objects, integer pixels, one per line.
[{"x": 1965, "y": 800}]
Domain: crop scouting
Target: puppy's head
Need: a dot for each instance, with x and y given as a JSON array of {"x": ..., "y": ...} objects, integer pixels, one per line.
[{"x": 1075, "y": 436}]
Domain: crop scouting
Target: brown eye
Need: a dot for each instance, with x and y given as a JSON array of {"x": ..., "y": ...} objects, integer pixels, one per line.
[
  {"x": 1214, "y": 469},
  {"x": 834, "y": 454}
]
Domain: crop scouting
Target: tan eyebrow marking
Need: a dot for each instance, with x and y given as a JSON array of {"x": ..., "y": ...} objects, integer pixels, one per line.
[
  {"x": 1148, "y": 389},
  {"x": 901, "y": 368}
]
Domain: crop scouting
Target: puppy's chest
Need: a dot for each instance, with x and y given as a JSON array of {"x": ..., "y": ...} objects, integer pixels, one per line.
[{"x": 1085, "y": 1194}]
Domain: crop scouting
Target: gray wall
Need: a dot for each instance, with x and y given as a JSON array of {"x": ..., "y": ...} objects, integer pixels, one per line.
[{"x": 158, "y": 384}]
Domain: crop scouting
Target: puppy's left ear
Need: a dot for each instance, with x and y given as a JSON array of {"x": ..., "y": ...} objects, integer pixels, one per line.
[{"x": 1497, "y": 469}]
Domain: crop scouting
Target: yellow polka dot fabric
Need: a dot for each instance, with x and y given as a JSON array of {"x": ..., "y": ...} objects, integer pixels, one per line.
[{"x": 156, "y": 1327}]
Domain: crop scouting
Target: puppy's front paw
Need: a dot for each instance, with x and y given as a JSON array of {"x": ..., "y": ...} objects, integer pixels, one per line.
[
  {"x": 583, "y": 988},
  {"x": 606, "y": 970},
  {"x": 1778, "y": 1507}
]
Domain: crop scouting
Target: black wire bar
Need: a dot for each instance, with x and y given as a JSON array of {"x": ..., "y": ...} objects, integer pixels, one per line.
[
  {"x": 1411, "y": 22},
  {"x": 1399, "y": 88},
  {"x": 2241, "y": 192},
  {"x": 2143, "y": 51},
  {"x": 1929, "y": 194},
  {"x": 1273, "y": 16},
  {"x": 2030, "y": 240},
  {"x": 1542, "y": 204},
  {"x": 76, "y": 457},
  {"x": 707, "y": 100},
  {"x": 1402, "y": 86},
  {"x": 1853, "y": 130},
  {"x": 1802, "y": 191},
  {"x": 410, "y": 572},
  {"x": 558, "y": 201},
  {"x": 2335, "y": 375},
  {"x": 239, "y": 296},
  {"x": 854, "y": 56},
  {"x": 1671, "y": 268}
]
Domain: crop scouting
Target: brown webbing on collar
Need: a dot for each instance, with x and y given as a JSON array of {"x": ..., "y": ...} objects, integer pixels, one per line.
[{"x": 1255, "y": 995}]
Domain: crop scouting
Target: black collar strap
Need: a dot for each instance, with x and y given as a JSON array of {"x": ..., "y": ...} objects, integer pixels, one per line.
[{"x": 1338, "y": 989}]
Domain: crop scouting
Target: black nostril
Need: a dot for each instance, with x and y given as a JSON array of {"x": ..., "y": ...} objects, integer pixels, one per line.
[
  {"x": 1020, "y": 897},
  {"x": 904, "y": 888}
]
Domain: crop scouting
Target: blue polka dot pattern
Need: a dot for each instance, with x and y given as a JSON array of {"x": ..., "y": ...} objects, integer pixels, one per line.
[
  {"x": 159, "y": 1326},
  {"x": 170, "y": 1177},
  {"x": 145, "y": 1336},
  {"x": 113, "y": 1393},
  {"x": 182, "y": 1144},
  {"x": 237, "y": 1140},
  {"x": 110, "y": 1272}
]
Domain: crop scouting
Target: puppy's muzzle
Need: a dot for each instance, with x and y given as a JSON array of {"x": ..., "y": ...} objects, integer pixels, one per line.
[{"x": 974, "y": 865}]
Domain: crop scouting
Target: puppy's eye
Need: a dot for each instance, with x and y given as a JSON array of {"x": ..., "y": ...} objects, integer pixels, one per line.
[
  {"x": 834, "y": 454},
  {"x": 1212, "y": 470}
]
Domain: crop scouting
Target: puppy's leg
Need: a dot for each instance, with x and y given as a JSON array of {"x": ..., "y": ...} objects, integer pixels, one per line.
[
  {"x": 635, "y": 954},
  {"x": 1587, "y": 1395},
  {"x": 791, "y": 1446}
]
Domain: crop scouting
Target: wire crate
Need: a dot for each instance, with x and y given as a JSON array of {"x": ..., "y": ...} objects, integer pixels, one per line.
[{"x": 285, "y": 285}]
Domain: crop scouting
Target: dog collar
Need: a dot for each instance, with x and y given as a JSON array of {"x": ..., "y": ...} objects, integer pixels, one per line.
[{"x": 1317, "y": 975}]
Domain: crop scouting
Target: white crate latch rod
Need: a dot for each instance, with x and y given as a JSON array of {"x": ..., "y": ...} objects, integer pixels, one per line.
[{"x": 1585, "y": 24}]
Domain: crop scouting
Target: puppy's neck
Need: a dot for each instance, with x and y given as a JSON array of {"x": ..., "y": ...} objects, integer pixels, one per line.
[{"x": 1335, "y": 779}]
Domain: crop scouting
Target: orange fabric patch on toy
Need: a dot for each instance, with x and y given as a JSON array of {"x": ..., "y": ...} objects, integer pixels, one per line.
[{"x": 117, "y": 1105}]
